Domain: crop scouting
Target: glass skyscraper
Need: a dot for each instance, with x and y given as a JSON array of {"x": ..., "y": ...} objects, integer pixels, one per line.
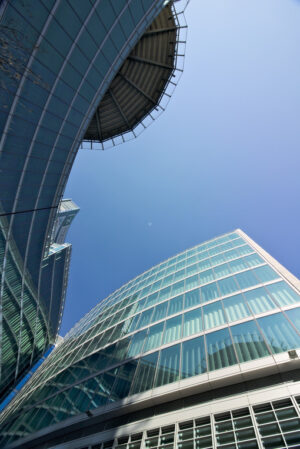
[
  {"x": 71, "y": 71},
  {"x": 199, "y": 352}
]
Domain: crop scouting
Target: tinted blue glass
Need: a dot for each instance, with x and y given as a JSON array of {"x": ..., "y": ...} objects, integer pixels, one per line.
[
  {"x": 145, "y": 373},
  {"x": 279, "y": 333},
  {"x": 227, "y": 285},
  {"x": 145, "y": 318},
  {"x": 172, "y": 329},
  {"x": 246, "y": 279},
  {"x": 209, "y": 292},
  {"x": 238, "y": 265},
  {"x": 168, "y": 366},
  {"x": 160, "y": 312},
  {"x": 248, "y": 341},
  {"x": 193, "y": 358},
  {"x": 235, "y": 308},
  {"x": 294, "y": 316},
  {"x": 265, "y": 273},
  {"x": 175, "y": 305},
  {"x": 222, "y": 270},
  {"x": 137, "y": 343},
  {"x": 154, "y": 337},
  {"x": 220, "y": 350},
  {"x": 192, "y": 282},
  {"x": 192, "y": 322},
  {"x": 206, "y": 276},
  {"x": 283, "y": 293},
  {"x": 192, "y": 298},
  {"x": 213, "y": 315},
  {"x": 259, "y": 301},
  {"x": 253, "y": 259}
]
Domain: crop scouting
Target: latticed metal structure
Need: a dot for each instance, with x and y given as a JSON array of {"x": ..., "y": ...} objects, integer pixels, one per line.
[
  {"x": 201, "y": 351},
  {"x": 60, "y": 60}
]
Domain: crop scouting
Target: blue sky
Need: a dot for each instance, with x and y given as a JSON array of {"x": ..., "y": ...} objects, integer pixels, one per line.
[{"x": 225, "y": 154}]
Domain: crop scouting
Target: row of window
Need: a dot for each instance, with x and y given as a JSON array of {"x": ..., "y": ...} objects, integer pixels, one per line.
[
  {"x": 228, "y": 310},
  {"x": 237, "y": 344},
  {"x": 132, "y": 288}
]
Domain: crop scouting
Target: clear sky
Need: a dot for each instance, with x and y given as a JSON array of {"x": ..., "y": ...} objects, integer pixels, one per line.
[{"x": 225, "y": 154}]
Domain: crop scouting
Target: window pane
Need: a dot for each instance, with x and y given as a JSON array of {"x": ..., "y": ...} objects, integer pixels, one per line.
[
  {"x": 253, "y": 260},
  {"x": 266, "y": 273},
  {"x": 145, "y": 373},
  {"x": 206, "y": 276},
  {"x": 259, "y": 301},
  {"x": 238, "y": 265},
  {"x": 154, "y": 337},
  {"x": 222, "y": 270},
  {"x": 145, "y": 318},
  {"x": 220, "y": 350},
  {"x": 209, "y": 292},
  {"x": 160, "y": 311},
  {"x": 168, "y": 366},
  {"x": 246, "y": 279},
  {"x": 192, "y": 298},
  {"x": 213, "y": 315},
  {"x": 235, "y": 308},
  {"x": 193, "y": 358},
  {"x": 173, "y": 329},
  {"x": 228, "y": 286},
  {"x": 294, "y": 316},
  {"x": 283, "y": 293},
  {"x": 279, "y": 333},
  {"x": 192, "y": 322},
  {"x": 178, "y": 288},
  {"x": 137, "y": 343},
  {"x": 191, "y": 282},
  {"x": 249, "y": 343},
  {"x": 175, "y": 305}
]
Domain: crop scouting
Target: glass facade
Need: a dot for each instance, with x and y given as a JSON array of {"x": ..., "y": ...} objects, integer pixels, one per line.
[
  {"x": 63, "y": 56},
  {"x": 213, "y": 307}
]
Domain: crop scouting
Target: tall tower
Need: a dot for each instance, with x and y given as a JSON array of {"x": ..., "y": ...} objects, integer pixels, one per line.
[
  {"x": 72, "y": 71},
  {"x": 200, "y": 351}
]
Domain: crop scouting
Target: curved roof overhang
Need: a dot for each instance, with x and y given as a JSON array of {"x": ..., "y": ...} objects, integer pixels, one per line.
[{"x": 143, "y": 85}]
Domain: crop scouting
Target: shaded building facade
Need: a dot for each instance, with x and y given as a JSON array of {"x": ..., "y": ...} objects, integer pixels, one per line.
[
  {"x": 60, "y": 63},
  {"x": 66, "y": 213},
  {"x": 199, "y": 352}
]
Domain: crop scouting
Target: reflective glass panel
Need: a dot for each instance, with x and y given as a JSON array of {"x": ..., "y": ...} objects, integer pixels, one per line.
[
  {"x": 168, "y": 366},
  {"x": 192, "y": 322},
  {"x": 172, "y": 329},
  {"x": 248, "y": 341},
  {"x": 193, "y": 357},
  {"x": 259, "y": 301},
  {"x": 220, "y": 350},
  {"x": 235, "y": 308},
  {"x": 279, "y": 333},
  {"x": 213, "y": 315}
]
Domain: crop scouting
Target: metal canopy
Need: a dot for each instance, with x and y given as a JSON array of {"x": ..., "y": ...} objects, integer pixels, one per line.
[{"x": 140, "y": 83}]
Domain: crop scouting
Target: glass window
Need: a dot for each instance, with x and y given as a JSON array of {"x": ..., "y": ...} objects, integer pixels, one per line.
[
  {"x": 283, "y": 293},
  {"x": 253, "y": 260},
  {"x": 248, "y": 341},
  {"x": 238, "y": 265},
  {"x": 228, "y": 286},
  {"x": 175, "y": 305},
  {"x": 294, "y": 316},
  {"x": 123, "y": 381},
  {"x": 137, "y": 343},
  {"x": 206, "y": 276},
  {"x": 246, "y": 279},
  {"x": 145, "y": 373},
  {"x": 265, "y": 273},
  {"x": 193, "y": 357},
  {"x": 172, "y": 329},
  {"x": 279, "y": 333},
  {"x": 220, "y": 350},
  {"x": 192, "y": 298},
  {"x": 160, "y": 311},
  {"x": 145, "y": 318},
  {"x": 222, "y": 270},
  {"x": 213, "y": 315},
  {"x": 154, "y": 337},
  {"x": 168, "y": 366},
  {"x": 191, "y": 282},
  {"x": 259, "y": 301},
  {"x": 209, "y": 292},
  {"x": 164, "y": 294},
  {"x": 235, "y": 308},
  {"x": 133, "y": 323},
  {"x": 178, "y": 288},
  {"x": 192, "y": 322},
  {"x": 152, "y": 299}
]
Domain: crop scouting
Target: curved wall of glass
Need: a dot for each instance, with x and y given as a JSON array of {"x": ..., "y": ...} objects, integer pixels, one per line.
[
  {"x": 61, "y": 57},
  {"x": 213, "y": 306}
]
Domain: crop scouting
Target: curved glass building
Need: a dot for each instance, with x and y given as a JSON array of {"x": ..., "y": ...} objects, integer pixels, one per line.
[
  {"x": 201, "y": 351},
  {"x": 71, "y": 71}
]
